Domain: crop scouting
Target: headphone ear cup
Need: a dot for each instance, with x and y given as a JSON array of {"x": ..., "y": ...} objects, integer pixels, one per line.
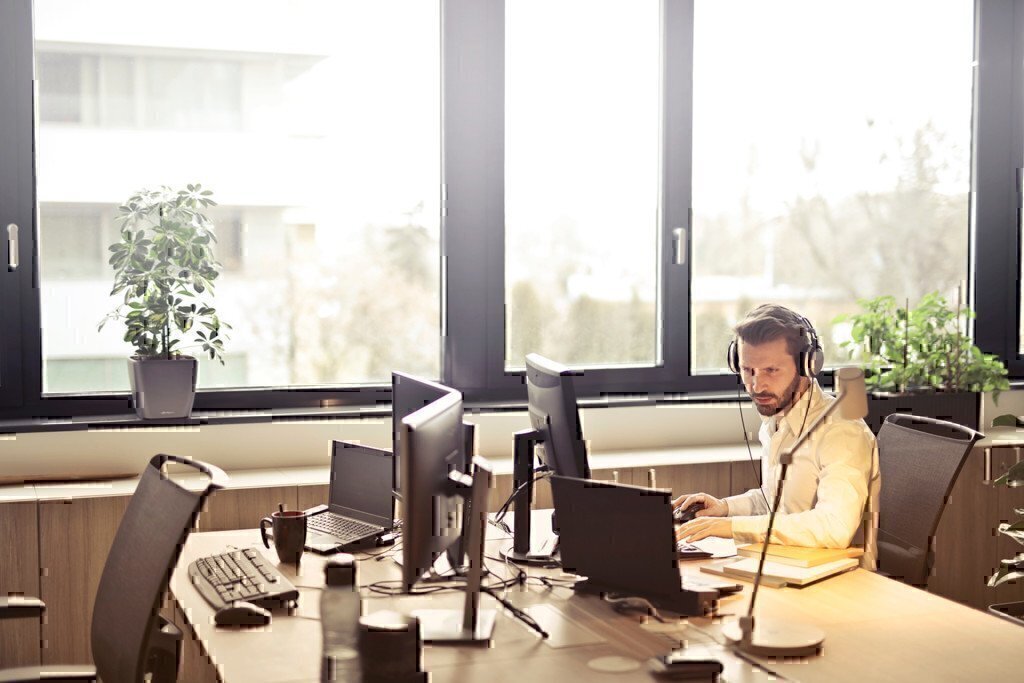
[
  {"x": 816, "y": 362},
  {"x": 732, "y": 357}
]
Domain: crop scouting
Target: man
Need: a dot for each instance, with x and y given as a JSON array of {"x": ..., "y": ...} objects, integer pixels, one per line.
[{"x": 777, "y": 354}]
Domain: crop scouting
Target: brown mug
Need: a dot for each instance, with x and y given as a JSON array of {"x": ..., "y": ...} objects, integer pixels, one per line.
[{"x": 289, "y": 534}]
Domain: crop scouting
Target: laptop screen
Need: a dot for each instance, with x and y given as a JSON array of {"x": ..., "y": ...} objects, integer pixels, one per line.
[{"x": 361, "y": 483}]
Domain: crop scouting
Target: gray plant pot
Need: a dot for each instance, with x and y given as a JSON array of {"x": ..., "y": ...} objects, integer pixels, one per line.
[{"x": 162, "y": 388}]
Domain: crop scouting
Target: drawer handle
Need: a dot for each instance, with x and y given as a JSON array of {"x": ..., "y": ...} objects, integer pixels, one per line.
[{"x": 987, "y": 474}]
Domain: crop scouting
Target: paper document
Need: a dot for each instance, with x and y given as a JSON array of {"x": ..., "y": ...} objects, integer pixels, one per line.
[
  {"x": 718, "y": 547},
  {"x": 776, "y": 574}
]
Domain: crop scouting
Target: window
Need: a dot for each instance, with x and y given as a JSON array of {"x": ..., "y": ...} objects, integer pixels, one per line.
[
  {"x": 582, "y": 140},
  {"x": 827, "y": 152},
  {"x": 822, "y": 180},
  {"x": 320, "y": 139}
]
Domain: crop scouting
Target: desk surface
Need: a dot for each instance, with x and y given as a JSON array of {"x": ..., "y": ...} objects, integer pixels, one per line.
[{"x": 876, "y": 629}]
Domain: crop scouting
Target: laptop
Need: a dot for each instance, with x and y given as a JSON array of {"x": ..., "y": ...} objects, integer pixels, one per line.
[
  {"x": 622, "y": 539},
  {"x": 360, "y": 507}
]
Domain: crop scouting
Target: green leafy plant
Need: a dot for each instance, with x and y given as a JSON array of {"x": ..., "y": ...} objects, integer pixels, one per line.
[
  {"x": 906, "y": 349},
  {"x": 165, "y": 267},
  {"x": 1013, "y": 567}
]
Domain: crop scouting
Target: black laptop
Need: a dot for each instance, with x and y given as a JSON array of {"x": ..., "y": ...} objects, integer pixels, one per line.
[
  {"x": 622, "y": 539},
  {"x": 360, "y": 506}
]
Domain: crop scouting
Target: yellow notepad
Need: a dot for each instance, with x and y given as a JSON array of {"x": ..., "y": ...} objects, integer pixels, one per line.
[{"x": 798, "y": 556}]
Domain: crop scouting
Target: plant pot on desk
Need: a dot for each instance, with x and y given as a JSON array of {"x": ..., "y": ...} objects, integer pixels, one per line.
[
  {"x": 163, "y": 388},
  {"x": 960, "y": 407}
]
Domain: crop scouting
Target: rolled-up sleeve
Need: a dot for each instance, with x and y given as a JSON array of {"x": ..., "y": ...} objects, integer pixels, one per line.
[{"x": 843, "y": 456}]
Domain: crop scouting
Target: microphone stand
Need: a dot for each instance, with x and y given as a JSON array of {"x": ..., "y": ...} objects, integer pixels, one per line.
[{"x": 777, "y": 638}]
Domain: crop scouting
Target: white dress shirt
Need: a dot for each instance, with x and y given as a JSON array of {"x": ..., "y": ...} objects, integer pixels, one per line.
[{"x": 828, "y": 486}]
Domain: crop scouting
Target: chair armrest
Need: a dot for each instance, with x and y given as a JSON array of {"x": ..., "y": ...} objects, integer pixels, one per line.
[
  {"x": 20, "y": 607},
  {"x": 50, "y": 672}
]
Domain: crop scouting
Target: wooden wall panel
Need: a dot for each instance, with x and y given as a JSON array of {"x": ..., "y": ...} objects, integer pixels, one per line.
[
  {"x": 712, "y": 478},
  {"x": 312, "y": 495},
  {"x": 19, "y": 575},
  {"x": 744, "y": 476},
  {"x": 75, "y": 537},
  {"x": 243, "y": 508}
]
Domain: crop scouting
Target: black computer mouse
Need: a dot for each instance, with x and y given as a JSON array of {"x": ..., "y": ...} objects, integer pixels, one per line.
[
  {"x": 242, "y": 613},
  {"x": 682, "y": 516}
]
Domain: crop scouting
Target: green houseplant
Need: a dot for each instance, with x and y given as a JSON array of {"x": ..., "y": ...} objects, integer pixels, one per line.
[
  {"x": 921, "y": 352},
  {"x": 164, "y": 267}
]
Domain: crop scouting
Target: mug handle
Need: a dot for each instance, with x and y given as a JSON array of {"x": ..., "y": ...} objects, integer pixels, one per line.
[{"x": 263, "y": 530}]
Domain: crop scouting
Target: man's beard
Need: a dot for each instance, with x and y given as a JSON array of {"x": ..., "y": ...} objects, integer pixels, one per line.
[{"x": 783, "y": 401}]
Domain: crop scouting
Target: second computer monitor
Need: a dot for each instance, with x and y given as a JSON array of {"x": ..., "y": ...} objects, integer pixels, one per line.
[
  {"x": 430, "y": 446},
  {"x": 409, "y": 394},
  {"x": 553, "y": 413}
]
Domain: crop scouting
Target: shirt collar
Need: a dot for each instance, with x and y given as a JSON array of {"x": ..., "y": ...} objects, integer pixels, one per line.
[{"x": 794, "y": 417}]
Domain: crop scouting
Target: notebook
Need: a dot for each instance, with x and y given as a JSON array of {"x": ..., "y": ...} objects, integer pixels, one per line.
[
  {"x": 776, "y": 574},
  {"x": 799, "y": 556},
  {"x": 360, "y": 507}
]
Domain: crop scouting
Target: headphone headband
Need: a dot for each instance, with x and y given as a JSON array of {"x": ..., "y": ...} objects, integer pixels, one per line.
[{"x": 809, "y": 361}]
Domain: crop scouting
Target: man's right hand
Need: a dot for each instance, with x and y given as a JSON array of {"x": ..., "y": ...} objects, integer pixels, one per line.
[{"x": 713, "y": 507}]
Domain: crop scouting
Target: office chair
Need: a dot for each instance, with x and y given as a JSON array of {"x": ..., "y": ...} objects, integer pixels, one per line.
[
  {"x": 920, "y": 459},
  {"x": 130, "y": 640}
]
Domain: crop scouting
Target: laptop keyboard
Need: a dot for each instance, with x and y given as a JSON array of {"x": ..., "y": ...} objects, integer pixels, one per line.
[
  {"x": 689, "y": 551},
  {"x": 342, "y": 527}
]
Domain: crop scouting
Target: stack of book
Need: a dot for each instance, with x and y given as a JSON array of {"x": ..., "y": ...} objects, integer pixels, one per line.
[{"x": 788, "y": 565}]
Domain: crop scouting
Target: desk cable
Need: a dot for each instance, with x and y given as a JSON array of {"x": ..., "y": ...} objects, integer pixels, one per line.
[{"x": 499, "y": 517}]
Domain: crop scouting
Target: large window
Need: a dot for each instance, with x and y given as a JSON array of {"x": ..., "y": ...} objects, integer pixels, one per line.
[
  {"x": 317, "y": 126},
  {"x": 831, "y": 158},
  {"x": 581, "y": 180},
  {"x": 442, "y": 187}
]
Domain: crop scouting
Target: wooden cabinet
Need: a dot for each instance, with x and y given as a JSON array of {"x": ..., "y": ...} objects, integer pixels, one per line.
[
  {"x": 244, "y": 508},
  {"x": 1007, "y": 500},
  {"x": 19, "y": 575},
  {"x": 712, "y": 478},
  {"x": 75, "y": 536}
]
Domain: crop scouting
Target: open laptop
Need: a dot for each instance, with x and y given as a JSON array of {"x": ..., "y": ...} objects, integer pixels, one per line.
[
  {"x": 360, "y": 506},
  {"x": 622, "y": 539}
]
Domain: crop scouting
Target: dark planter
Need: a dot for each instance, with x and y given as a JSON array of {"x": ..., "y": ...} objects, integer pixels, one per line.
[
  {"x": 163, "y": 388},
  {"x": 961, "y": 407},
  {"x": 1011, "y": 611}
]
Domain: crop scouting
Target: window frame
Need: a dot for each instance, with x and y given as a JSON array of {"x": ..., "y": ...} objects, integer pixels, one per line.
[{"x": 472, "y": 321}]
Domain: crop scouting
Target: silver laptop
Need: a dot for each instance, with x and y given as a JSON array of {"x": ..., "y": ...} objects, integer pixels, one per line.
[{"x": 360, "y": 506}]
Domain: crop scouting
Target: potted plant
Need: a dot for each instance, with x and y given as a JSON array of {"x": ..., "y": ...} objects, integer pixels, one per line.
[
  {"x": 1011, "y": 568},
  {"x": 164, "y": 267},
  {"x": 921, "y": 361}
]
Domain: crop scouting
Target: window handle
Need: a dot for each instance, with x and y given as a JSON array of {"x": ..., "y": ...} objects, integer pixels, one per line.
[
  {"x": 12, "y": 247},
  {"x": 679, "y": 242}
]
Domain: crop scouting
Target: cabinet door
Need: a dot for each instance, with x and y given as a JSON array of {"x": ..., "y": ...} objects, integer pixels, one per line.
[
  {"x": 74, "y": 539},
  {"x": 19, "y": 574},
  {"x": 744, "y": 476},
  {"x": 1007, "y": 500},
  {"x": 712, "y": 478},
  {"x": 965, "y": 546}
]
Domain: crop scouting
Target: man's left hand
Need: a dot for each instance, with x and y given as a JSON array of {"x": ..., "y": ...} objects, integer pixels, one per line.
[{"x": 702, "y": 527}]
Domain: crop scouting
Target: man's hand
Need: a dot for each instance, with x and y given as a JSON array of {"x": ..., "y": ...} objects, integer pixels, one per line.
[
  {"x": 713, "y": 507},
  {"x": 702, "y": 527}
]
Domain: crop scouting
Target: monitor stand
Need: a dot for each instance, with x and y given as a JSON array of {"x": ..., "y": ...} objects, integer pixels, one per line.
[
  {"x": 524, "y": 550},
  {"x": 472, "y": 624}
]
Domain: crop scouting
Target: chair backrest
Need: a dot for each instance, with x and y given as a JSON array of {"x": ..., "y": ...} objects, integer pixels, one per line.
[
  {"x": 920, "y": 459},
  {"x": 149, "y": 540}
]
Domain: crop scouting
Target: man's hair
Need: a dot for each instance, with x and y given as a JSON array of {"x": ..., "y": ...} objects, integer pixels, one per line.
[{"x": 769, "y": 322}]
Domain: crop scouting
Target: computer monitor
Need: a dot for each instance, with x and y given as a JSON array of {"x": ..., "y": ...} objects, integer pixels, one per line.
[
  {"x": 409, "y": 394},
  {"x": 556, "y": 437},
  {"x": 551, "y": 398},
  {"x": 430, "y": 443}
]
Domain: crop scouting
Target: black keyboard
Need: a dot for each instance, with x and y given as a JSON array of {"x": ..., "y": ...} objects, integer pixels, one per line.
[
  {"x": 240, "y": 575},
  {"x": 345, "y": 529},
  {"x": 688, "y": 551}
]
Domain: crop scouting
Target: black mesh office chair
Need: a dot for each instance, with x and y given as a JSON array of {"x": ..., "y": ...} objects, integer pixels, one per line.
[
  {"x": 919, "y": 459},
  {"x": 130, "y": 640}
]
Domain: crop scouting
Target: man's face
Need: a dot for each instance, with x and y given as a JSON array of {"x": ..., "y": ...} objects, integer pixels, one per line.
[{"x": 769, "y": 375}]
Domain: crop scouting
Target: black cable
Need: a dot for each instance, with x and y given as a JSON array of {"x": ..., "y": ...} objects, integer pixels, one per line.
[
  {"x": 746, "y": 440},
  {"x": 518, "y": 613},
  {"x": 499, "y": 516}
]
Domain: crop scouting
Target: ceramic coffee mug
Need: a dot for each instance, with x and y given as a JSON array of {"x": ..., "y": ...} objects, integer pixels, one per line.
[{"x": 289, "y": 534}]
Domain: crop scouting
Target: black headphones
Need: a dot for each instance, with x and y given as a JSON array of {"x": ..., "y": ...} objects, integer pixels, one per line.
[{"x": 809, "y": 361}]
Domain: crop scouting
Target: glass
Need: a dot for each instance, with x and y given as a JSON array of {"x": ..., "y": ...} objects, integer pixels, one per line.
[
  {"x": 316, "y": 125},
  {"x": 831, "y": 159},
  {"x": 582, "y": 136}
]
